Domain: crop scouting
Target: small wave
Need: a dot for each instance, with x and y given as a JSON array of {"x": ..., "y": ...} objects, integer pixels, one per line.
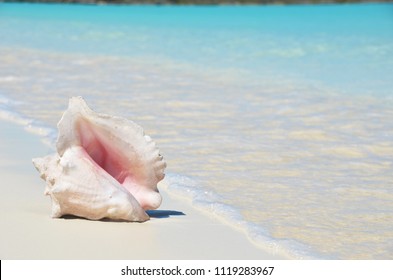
[
  {"x": 9, "y": 113},
  {"x": 209, "y": 202},
  {"x": 9, "y": 79}
]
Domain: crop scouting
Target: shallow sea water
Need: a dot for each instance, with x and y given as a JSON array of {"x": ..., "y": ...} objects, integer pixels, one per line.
[{"x": 278, "y": 120}]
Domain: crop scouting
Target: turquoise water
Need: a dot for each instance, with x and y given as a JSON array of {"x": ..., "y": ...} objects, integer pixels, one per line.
[{"x": 276, "y": 119}]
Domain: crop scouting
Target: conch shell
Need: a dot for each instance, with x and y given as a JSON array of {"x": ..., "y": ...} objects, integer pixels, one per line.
[{"x": 105, "y": 167}]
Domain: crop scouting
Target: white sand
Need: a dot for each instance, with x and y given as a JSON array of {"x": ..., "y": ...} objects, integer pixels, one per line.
[{"x": 175, "y": 231}]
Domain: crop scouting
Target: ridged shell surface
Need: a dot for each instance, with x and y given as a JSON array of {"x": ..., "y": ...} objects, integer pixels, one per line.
[{"x": 105, "y": 167}]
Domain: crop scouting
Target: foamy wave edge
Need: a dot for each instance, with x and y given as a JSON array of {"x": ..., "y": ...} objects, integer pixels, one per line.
[
  {"x": 209, "y": 202},
  {"x": 8, "y": 113}
]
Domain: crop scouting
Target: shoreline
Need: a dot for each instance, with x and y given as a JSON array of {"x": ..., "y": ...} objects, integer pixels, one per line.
[{"x": 175, "y": 231}]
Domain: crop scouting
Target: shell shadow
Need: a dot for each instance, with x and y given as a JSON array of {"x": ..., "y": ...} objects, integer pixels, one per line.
[
  {"x": 157, "y": 214},
  {"x": 160, "y": 214}
]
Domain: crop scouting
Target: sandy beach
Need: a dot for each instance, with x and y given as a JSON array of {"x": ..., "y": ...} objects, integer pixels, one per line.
[{"x": 175, "y": 231}]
